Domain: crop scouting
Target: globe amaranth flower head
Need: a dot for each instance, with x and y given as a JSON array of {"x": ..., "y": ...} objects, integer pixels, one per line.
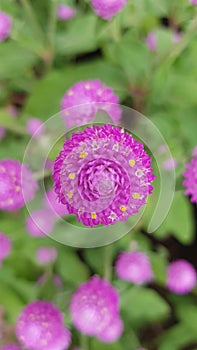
[
  {"x": 5, "y": 246},
  {"x": 40, "y": 327},
  {"x": 17, "y": 185},
  {"x": 5, "y": 25},
  {"x": 181, "y": 277},
  {"x": 89, "y": 96},
  {"x": 12, "y": 346},
  {"x": 190, "y": 178},
  {"x": 65, "y": 12},
  {"x": 94, "y": 310},
  {"x": 107, "y": 9},
  {"x": 134, "y": 266},
  {"x": 46, "y": 255},
  {"x": 102, "y": 175}
]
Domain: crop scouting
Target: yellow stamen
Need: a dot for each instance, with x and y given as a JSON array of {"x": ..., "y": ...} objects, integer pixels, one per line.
[
  {"x": 70, "y": 194},
  {"x": 93, "y": 215},
  {"x": 123, "y": 208},
  {"x": 132, "y": 162},
  {"x": 136, "y": 195},
  {"x": 83, "y": 154},
  {"x": 71, "y": 176}
]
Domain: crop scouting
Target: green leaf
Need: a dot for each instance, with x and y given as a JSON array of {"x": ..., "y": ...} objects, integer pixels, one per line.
[
  {"x": 97, "y": 345},
  {"x": 71, "y": 268},
  {"x": 11, "y": 303},
  {"x": 15, "y": 60},
  {"x": 179, "y": 222},
  {"x": 177, "y": 337},
  {"x": 143, "y": 306}
]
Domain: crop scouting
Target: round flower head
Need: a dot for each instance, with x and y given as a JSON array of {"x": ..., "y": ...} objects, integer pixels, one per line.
[
  {"x": 5, "y": 246},
  {"x": 102, "y": 175},
  {"x": 17, "y": 185},
  {"x": 56, "y": 280},
  {"x": 35, "y": 126},
  {"x": 193, "y": 2},
  {"x": 11, "y": 347},
  {"x": 151, "y": 41},
  {"x": 89, "y": 96},
  {"x": 52, "y": 204},
  {"x": 5, "y": 25},
  {"x": 134, "y": 267},
  {"x": 65, "y": 12},
  {"x": 106, "y": 9},
  {"x": 40, "y": 327},
  {"x": 40, "y": 222},
  {"x": 181, "y": 277},
  {"x": 112, "y": 332},
  {"x": 46, "y": 255},
  {"x": 94, "y": 306},
  {"x": 190, "y": 178}
]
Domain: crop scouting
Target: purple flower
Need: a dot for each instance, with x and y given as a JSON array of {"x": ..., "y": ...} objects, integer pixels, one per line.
[
  {"x": 193, "y": 2},
  {"x": 2, "y": 132},
  {"x": 176, "y": 37},
  {"x": 11, "y": 347},
  {"x": 106, "y": 9},
  {"x": 65, "y": 12},
  {"x": 170, "y": 164},
  {"x": 112, "y": 332},
  {"x": 102, "y": 175},
  {"x": 40, "y": 327},
  {"x": 40, "y": 222},
  {"x": 151, "y": 41},
  {"x": 89, "y": 96},
  {"x": 94, "y": 307},
  {"x": 190, "y": 178},
  {"x": 5, "y": 246},
  {"x": 5, "y": 25},
  {"x": 35, "y": 126},
  {"x": 181, "y": 277},
  {"x": 134, "y": 267},
  {"x": 17, "y": 185},
  {"x": 46, "y": 255},
  {"x": 52, "y": 204}
]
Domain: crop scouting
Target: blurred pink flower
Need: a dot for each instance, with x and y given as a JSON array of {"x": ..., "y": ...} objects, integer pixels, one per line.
[
  {"x": 40, "y": 327},
  {"x": 107, "y": 9},
  {"x": 52, "y": 203},
  {"x": 12, "y": 346},
  {"x": 17, "y": 185},
  {"x": 94, "y": 307},
  {"x": 35, "y": 127},
  {"x": 5, "y": 25},
  {"x": 181, "y": 277},
  {"x": 5, "y": 246},
  {"x": 151, "y": 41},
  {"x": 170, "y": 164},
  {"x": 40, "y": 222},
  {"x": 193, "y": 2},
  {"x": 135, "y": 267},
  {"x": 190, "y": 177},
  {"x": 46, "y": 255},
  {"x": 2, "y": 132},
  {"x": 65, "y": 12}
]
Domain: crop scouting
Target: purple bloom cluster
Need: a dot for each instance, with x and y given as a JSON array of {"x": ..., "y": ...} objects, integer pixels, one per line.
[
  {"x": 40, "y": 327},
  {"x": 40, "y": 222},
  {"x": 11, "y": 347},
  {"x": 190, "y": 178},
  {"x": 5, "y": 246},
  {"x": 17, "y": 185},
  {"x": 5, "y": 25},
  {"x": 89, "y": 96},
  {"x": 134, "y": 267},
  {"x": 94, "y": 309},
  {"x": 107, "y": 9},
  {"x": 65, "y": 12},
  {"x": 181, "y": 277},
  {"x": 46, "y": 255},
  {"x": 103, "y": 175}
]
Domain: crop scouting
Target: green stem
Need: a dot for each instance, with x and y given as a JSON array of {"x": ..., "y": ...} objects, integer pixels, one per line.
[
  {"x": 108, "y": 262},
  {"x": 32, "y": 18},
  {"x": 84, "y": 342}
]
